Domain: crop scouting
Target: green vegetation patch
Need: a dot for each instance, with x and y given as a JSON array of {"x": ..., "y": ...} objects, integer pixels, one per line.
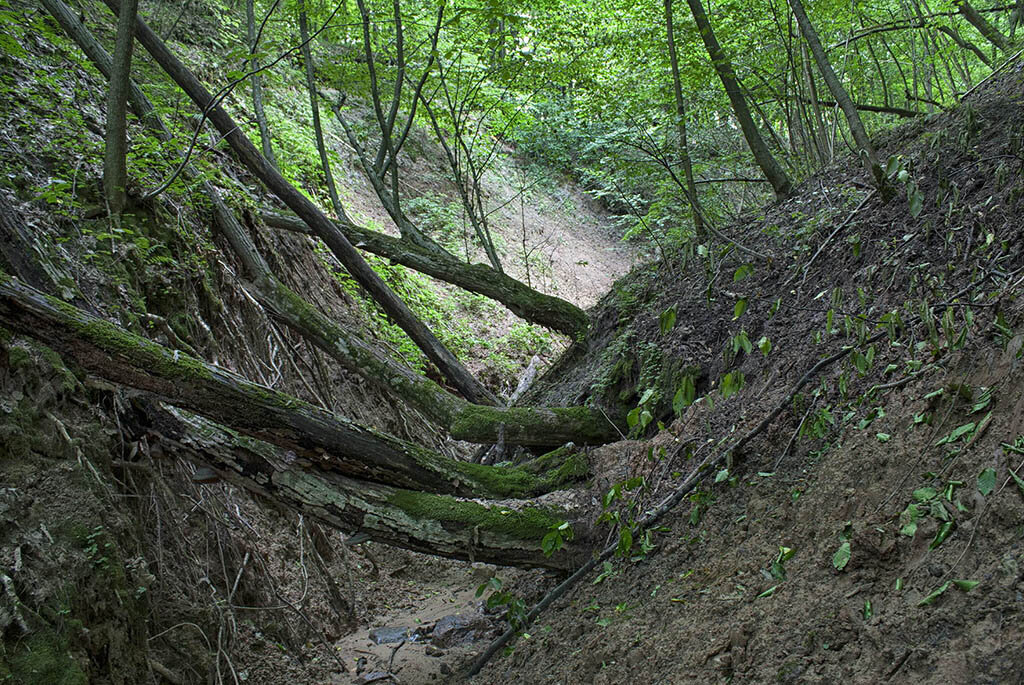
[{"x": 40, "y": 657}]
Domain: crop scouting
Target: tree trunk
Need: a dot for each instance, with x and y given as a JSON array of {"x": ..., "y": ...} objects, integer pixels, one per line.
[
  {"x": 324, "y": 228},
  {"x": 723, "y": 67},
  {"x": 523, "y": 301},
  {"x": 860, "y": 136},
  {"x": 115, "y": 174},
  {"x": 684, "y": 148},
  {"x": 314, "y": 106},
  {"x": 506, "y": 532},
  {"x": 986, "y": 29},
  {"x": 257, "y": 85}
]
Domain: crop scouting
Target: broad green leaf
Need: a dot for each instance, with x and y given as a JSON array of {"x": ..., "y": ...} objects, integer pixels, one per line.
[
  {"x": 739, "y": 308},
  {"x": 916, "y": 200},
  {"x": 925, "y": 494},
  {"x": 667, "y": 320},
  {"x": 987, "y": 481},
  {"x": 742, "y": 272},
  {"x": 842, "y": 556}
]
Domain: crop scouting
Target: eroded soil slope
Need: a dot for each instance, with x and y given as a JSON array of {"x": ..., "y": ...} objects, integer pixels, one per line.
[{"x": 836, "y": 545}]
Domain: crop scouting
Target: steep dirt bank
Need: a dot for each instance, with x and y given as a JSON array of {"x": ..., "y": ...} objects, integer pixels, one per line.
[{"x": 873, "y": 531}]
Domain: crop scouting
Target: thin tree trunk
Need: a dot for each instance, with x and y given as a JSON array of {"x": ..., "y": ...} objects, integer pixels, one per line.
[
  {"x": 257, "y": 85},
  {"x": 781, "y": 184},
  {"x": 860, "y": 136},
  {"x": 325, "y": 229},
  {"x": 115, "y": 173},
  {"x": 822, "y": 141},
  {"x": 986, "y": 29},
  {"x": 314, "y": 106},
  {"x": 684, "y": 148}
]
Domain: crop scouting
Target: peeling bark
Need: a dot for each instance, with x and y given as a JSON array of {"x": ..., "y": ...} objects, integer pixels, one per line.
[{"x": 506, "y": 532}]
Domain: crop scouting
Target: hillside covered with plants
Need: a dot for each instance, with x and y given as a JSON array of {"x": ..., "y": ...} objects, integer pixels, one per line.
[{"x": 544, "y": 342}]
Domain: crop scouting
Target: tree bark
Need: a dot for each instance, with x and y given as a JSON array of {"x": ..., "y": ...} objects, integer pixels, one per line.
[
  {"x": 684, "y": 148},
  {"x": 257, "y": 85},
  {"x": 324, "y": 228},
  {"x": 506, "y": 532},
  {"x": 781, "y": 184},
  {"x": 115, "y": 173},
  {"x": 860, "y": 136}
]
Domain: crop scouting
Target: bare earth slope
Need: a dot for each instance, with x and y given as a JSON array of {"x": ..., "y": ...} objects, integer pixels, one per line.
[{"x": 835, "y": 547}]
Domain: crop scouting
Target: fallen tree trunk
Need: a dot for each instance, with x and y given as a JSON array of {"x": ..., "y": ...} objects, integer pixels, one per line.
[
  {"x": 506, "y": 532},
  {"x": 523, "y": 301},
  {"x": 314, "y": 436}
]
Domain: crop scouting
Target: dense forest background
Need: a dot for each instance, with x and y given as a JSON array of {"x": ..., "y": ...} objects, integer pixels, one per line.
[{"x": 555, "y": 342}]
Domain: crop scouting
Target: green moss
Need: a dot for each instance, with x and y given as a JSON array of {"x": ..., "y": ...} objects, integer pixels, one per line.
[
  {"x": 500, "y": 482},
  {"x": 528, "y": 524},
  {"x": 18, "y": 357},
  {"x": 40, "y": 657}
]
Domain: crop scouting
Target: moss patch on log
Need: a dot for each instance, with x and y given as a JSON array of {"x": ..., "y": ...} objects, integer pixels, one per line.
[{"x": 527, "y": 524}]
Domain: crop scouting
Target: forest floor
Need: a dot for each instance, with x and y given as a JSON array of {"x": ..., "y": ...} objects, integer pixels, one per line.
[{"x": 872, "y": 532}]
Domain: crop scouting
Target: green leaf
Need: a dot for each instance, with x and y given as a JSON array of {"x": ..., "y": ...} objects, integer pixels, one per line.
[
  {"x": 909, "y": 519},
  {"x": 842, "y": 556},
  {"x": 742, "y": 272},
  {"x": 684, "y": 395},
  {"x": 667, "y": 320},
  {"x": 916, "y": 200},
  {"x": 966, "y": 585},
  {"x": 1017, "y": 479},
  {"x": 925, "y": 494},
  {"x": 934, "y": 595},
  {"x": 765, "y": 345},
  {"x": 987, "y": 481},
  {"x": 944, "y": 530},
  {"x": 721, "y": 475},
  {"x": 633, "y": 417},
  {"x": 739, "y": 308},
  {"x": 883, "y": 437},
  {"x": 625, "y": 541},
  {"x": 956, "y": 433},
  {"x": 769, "y": 592}
]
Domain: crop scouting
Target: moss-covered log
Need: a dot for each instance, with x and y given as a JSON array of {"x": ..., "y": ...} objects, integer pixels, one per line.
[
  {"x": 507, "y": 532},
  {"x": 523, "y": 301},
  {"x": 313, "y": 434}
]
